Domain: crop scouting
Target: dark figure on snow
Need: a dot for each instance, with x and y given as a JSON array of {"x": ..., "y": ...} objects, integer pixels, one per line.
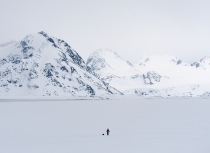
[{"x": 107, "y": 131}]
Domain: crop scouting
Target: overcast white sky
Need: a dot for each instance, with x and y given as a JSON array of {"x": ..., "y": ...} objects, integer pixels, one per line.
[{"x": 131, "y": 28}]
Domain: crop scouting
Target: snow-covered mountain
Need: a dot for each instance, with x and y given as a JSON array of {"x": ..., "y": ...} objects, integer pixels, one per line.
[
  {"x": 105, "y": 62},
  {"x": 160, "y": 76},
  {"x": 178, "y": 72},
  {"x": 158, "y": 62},
  {"x": 42, "y": 65},
  {"x": 204, "y": 63},
  {"x": 119, "y": 73}
]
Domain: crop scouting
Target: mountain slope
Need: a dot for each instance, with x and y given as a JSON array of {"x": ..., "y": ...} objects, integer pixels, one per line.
[
  {"x": 204, "y": 63},
  {"x": 106, "y": 62},
  {"x": 174, "y": 68},
  {"x": 45, "y": 66},
  {"x": 159, "y": 76},
  {"x": 119, "y": 73}
]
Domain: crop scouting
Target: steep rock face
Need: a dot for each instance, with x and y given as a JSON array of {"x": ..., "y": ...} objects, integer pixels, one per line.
[
  {"x": 67, "y": 50},
  {"x": 45, "y": 66},
  {"x": 151, "y": 77}
]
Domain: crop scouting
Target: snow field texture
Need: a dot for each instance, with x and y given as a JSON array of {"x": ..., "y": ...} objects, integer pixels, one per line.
[{"x": 136, "y": 125}]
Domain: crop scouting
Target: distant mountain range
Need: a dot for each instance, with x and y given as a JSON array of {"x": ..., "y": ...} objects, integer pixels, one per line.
[
  {"x": 41, "y": 65},
  {"x": 156, "y": 76}
]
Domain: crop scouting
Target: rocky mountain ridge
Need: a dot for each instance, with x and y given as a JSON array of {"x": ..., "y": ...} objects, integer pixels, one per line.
[
  {"x": 41, "y": 65},
  {"x": 204, "y": 63}
]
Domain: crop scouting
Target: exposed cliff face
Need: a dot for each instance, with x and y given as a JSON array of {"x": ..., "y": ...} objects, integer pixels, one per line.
[
  {"x": 151, "y": 77},
  {"x": 45, "y": 66}
]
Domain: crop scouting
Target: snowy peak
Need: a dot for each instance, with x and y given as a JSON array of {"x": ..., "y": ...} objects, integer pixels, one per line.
[
  {"x": 158, "y": 60},
  {"x": 61, "y": 44},
  {"x": 206, "y": 58},
  {"x": 119, "y": 73},
  {"x": 32, "y": 45},
  {"x": 204, "y": 63},
  {"x": 106, "y": 59},
  {"x": 46, "y": 66}
]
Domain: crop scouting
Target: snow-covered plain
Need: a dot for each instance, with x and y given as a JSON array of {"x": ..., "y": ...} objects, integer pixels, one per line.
[{"x": 76, "y": 126}]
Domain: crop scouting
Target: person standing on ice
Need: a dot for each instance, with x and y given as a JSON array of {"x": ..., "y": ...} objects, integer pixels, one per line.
[{"x": 107, "y": 131}]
